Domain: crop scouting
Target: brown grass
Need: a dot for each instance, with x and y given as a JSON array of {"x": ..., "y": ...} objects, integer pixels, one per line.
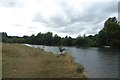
[{"x": 20, "y": 61}]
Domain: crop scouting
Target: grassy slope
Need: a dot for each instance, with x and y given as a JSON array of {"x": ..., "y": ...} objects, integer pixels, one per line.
[{"x": 21, "y": 61}]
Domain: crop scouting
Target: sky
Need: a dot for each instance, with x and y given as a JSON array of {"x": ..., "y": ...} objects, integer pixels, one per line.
[{"x": 62, "y": 17}]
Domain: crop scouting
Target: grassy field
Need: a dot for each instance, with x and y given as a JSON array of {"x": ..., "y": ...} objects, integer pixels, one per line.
[{"x": 20, "y": 61}]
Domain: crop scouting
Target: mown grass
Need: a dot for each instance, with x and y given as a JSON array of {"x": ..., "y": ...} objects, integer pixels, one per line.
[{"x": 20, "y": 61}]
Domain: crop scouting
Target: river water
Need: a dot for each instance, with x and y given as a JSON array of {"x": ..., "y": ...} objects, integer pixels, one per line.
[{"x": 98, "y": 62}]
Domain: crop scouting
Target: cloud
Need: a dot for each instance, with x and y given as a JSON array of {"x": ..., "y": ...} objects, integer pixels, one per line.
[
  {"x": 96, "y": 12},
  {"x": 71, "y": 20},
  {"x": 71, "y": 17},
  {"x": 10, "y": 3}
]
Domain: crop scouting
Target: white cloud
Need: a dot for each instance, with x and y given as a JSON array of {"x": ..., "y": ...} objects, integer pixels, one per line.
[{"x": 64, "y": 17}]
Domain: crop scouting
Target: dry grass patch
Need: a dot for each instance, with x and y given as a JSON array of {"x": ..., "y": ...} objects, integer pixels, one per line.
[{"x": 20, "y": 61}]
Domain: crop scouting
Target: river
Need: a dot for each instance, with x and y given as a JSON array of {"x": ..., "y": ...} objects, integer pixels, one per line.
[{"x": 98, "y": 62}]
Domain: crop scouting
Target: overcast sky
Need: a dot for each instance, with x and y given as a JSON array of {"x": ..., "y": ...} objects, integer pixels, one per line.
[{"x": 62, "y": 17}]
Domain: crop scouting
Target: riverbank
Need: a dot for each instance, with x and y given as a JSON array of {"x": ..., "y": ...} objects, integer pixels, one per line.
[{"x": 20, "y": 61}]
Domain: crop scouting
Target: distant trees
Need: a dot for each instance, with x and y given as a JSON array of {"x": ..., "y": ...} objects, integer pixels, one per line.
[
  {"x": 81, "y": 41},
  {"x": 86, "y": 41},
  {"x": 67, "y": 41},
  {"x": 93, "y": 40},
  {"x": 46, "y": 39},
  {"x": 56, "y": 40},
  {"x": 108, "y": 36},
  {"x": 4, "y": 37}
]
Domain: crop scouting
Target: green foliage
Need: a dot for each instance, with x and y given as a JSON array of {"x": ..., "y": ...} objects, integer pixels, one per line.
[
  {"x": 56, "y": 39},
  {"x": 81, "y": 41},
  {"x": 108, "y": 36},
  {"x": 93, "y": 40},
  {"x": 49, "y": 39},
  {"x": 85, "y": 41},
  {"x": 67, "y": 41},
  {"x": 4, "y": 37}
]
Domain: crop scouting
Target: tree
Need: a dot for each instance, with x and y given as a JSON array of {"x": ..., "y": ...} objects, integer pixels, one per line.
[
  {"x": 69, "y": 41},
  {"x": 109, "y": 35},
  {"x": 82, "y": 41},
  {"x": 39, "y": 39},
  {"x": 4, "y": 37},
  {"x": 56, "y": 40},
  {"x": 32, "y": 39},
  {"x": 48, "y": 38}
]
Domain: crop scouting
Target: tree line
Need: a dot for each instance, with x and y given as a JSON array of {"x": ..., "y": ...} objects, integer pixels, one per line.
[{"x": 108, "y": 36}]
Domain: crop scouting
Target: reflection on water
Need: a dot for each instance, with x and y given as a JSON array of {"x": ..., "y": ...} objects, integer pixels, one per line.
[{"x": 98, "y": 62}]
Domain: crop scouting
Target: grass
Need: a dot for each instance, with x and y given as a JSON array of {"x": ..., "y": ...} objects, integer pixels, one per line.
[{"x": 20, "y": 61}]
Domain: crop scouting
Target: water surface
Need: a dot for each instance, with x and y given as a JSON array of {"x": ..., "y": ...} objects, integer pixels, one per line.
[{"x": 98, "y": 62}]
